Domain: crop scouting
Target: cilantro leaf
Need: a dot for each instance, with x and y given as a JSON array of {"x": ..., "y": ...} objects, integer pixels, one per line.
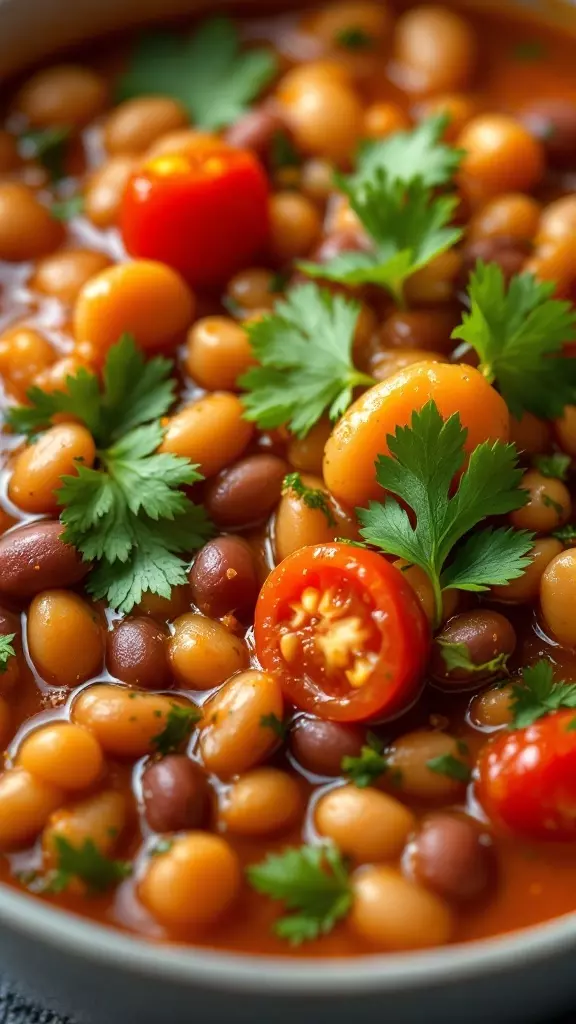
[
  {"x": 407, "y": 155},
  {"x": 354, "y": 38},
  {"x": 450, "y": 766},
  {"x": 537, "y": 695},
  {"x": 313, "y": 497},
  {"x": 134, "y": 391},
  {"x": 312, "y": 880},
  {"x": 423, "y": 461},
  {"x": 6, "y": 650},
  {"x": 206, "y": 72},
  {"x": 48, "y": 146},
  {"x": 87, "y": 863},
  {"x": 369, "y": 766},
  {"x": 457, "y": 656},
  {"x": 180, "y": 721},
  {"x": 304, "y": 351},
  {"x": 407, "y": 226},
  {"x": 65, "y": 209},
  {"x": 555, "y": 465},
  {"x": 518, "y": 334}
]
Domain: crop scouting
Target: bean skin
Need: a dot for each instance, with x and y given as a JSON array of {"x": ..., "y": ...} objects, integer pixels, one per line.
[
  {"x": 452, "y": 856},
  {"x": 35, "y": 558},
  {"x": 176, "y": 794},
  {"x": 136, "y": 654},
  {"x": 246, "y": 492},
  {"x": 487, "y": 636},
  {"x": 223, "y": 578},
  {"x": 319, "y": 746}
]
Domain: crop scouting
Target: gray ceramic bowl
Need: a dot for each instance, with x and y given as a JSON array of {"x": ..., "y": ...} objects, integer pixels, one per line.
[{"x": 105, "y": 977}]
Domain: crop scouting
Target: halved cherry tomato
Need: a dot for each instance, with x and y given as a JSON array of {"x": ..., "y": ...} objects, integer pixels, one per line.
[
  {"x": 527, "y": 778},
  {"x": 344, "y": 631},
  {"x": 203, "y": 211}
]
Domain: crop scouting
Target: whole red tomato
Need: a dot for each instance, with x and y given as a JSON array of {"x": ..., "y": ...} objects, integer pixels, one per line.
[
  {"x": 527, "y": 778},
  {"x": 344, "y": 631},
  {"x": 203, "y": 211}
]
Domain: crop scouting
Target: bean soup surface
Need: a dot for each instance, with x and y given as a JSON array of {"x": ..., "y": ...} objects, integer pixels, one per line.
[{"x": 287, "y": 576}]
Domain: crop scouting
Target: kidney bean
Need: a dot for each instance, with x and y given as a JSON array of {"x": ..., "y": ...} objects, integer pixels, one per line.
[
  {"x": 256, "y": 129},
  {"x": 452, "y": 856},
  {"x": 136, "y": 654},
  {"x": 487, "y": 636},
  {"x": 223, "y": 578},
  {"x": 34, "y": 558},
  {"x": 176, "y": 794},
  {"x": 319, "y": 746},
  {"x": 509, "y": 253},
  {"x": 245, "y": 492},
  {"x": 552, "y": 120}
]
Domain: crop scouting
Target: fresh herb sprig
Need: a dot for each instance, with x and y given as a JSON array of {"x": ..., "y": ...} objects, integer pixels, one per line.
[
  {"x": 518, "y": 332},
  {"x": 180, "y": 721},
  {"x": 49, "y": 146},
  {"x": 420, "y": 469},
  {"x": 6, "y": 650},
  {"x": 313, "y": 497},
  {"x": 457, "y": 656},
  {"x": 313, "y": 881},
  {"x": 86, "y": 863},
  {"x": 369, "y": 765},
  {"x": 304, "y": 351},
  {"x": 555, "y": 466},
  {"x": 538, "y": 694},
  {"x": 450, "y": 766},
  {"x": 129, "y": 516},
  {"x": 207, "y": 72}
]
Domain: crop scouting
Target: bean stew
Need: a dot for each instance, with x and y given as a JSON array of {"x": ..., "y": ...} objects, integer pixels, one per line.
[{"x": 287, "y": 525}]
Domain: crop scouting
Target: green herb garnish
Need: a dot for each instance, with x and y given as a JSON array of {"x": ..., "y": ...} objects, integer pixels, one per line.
[
  {"x": 278, "y": 726},
  {"x": 369, "y": 766},
  {"x": 555, "y": 466},
  {"x": 49, "y": 147},
  {"x": 87, "y": 863},
  {"x": 354, "y": 38},
  {"x": 6, "y": 650},
  {"x": 450, "y": 766},
  {"x": 66, "y": 209},
  {"x": 313, "y": 497},
  {"x": 423, "y": 462},
  {"x": 457, "y": 656},
  {"x": 310, "y": 880},
  {"x": 180, "y": 721},
  {"x": 538, "y": 694}
]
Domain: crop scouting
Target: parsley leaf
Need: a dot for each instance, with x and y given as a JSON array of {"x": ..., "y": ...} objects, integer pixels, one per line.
[
  {"x": 457, "y": 656},
  {"x": 450, "y": 766},
  {"x": 129, "y": 515},
  {"x": 87, "y": 863},
  {"x": 408, "y": 228},
  {"x": 6, "y": 650},
  {"x": 65, "y": 209},
  {"x": 206, "y": 72},
  {"x": 538, "y": 694},
  {"x": 555, "y": 465},
  {"x": 312, "y": 880},
  {"x": 180, "y": 721},
  {"x": 134, "y": 392},
  {"x": 518, "y": 334},
  {"x": 304, "y": 351},
  {"x": 48, "y": 146},
  {"x": 278, "y": 726},
  {"x": 423, "y": 461},
  {"x": 407, "y": 155},
  {"x": 313, "y": 497},
  {"x": 369, "y": 766}
]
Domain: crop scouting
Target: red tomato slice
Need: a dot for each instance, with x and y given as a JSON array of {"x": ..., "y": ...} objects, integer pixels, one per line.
[
  {"x": 527, "y": 778},
  {"x": 344, "y": 631},
  {"x": 203, "y": 211}
]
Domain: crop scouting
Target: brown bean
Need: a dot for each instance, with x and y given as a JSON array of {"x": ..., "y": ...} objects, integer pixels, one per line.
[
  {"x": 553, "y": 122},
  {"x": 428, "y": 329},
  {"x": 509, "y": 253},
  {"x": 319, "y": 746},
  {"x": 176, "y": 794},
  {"x": 452, "y": 856},
  {"x": 338, "y": 243},
  {"x": 34, "y": 558},
  {"x": 223, "y": 578},
  {"x": 255, "y": 129},
  {"x": 485, "y": 638},
  {"x": 246, "y": 492},
  {"x": 136, "y": 654}
]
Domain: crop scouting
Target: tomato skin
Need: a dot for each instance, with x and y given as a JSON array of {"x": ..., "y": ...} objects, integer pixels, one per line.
[
  {"x": 203, "y": 211},
  {"x": 527, "y": 779},
  {"x": 404, "y": 632}
]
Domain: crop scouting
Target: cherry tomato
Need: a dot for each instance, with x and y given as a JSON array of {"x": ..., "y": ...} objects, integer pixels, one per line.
[
  {"x": 203, "y": 211},
  {"x": 527, "y": 778},
  {"x": 344, "y": 631}
]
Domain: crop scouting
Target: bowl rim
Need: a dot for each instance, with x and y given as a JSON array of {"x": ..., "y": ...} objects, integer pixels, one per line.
[{"x": 272, "y": 975}]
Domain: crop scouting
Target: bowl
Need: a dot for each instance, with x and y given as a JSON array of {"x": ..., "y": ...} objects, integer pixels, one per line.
[{"x": 102, "y": 976}]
